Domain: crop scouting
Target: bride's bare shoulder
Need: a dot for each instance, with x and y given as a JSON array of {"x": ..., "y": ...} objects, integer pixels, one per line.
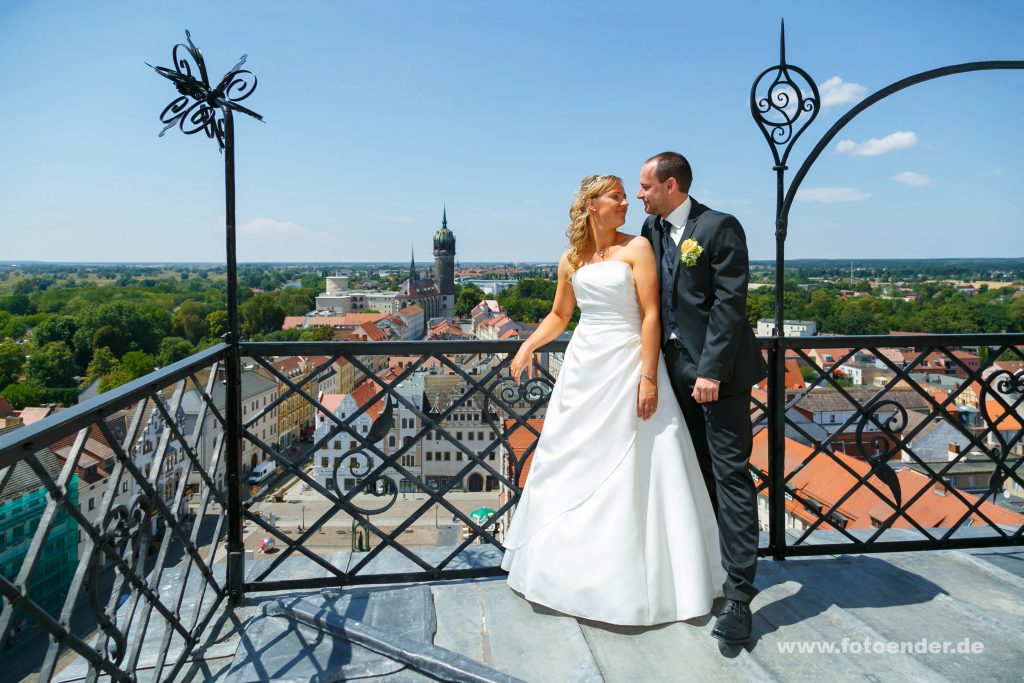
[{"x": 637, "y": 243}]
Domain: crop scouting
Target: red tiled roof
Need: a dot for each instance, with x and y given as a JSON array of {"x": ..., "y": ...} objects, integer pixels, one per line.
[
  {"x": 1009, "y": 423},
  {"x": 371, "y": 332},
  {"x": 411, "y": 310},
  {"x": 825, "y": 481},
  {"x": 346, "y": 320},
  {"x": 519, "y": 440},
  {"x": 35, "y": 413}
]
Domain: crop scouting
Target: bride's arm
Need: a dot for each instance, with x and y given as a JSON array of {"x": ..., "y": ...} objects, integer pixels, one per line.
[
  {"x": 554, "y": 323},
  {"x": 645, "y": 275}
]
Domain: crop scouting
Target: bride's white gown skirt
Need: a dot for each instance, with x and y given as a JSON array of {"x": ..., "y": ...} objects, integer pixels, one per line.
[{"x": 615, "y": 523}]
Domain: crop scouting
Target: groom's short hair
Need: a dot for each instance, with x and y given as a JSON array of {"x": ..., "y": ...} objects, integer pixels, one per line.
[{"x": 673, "y": 165}]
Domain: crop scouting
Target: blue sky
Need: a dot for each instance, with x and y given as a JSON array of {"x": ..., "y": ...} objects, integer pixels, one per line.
[{"x": 379, "y": 113}]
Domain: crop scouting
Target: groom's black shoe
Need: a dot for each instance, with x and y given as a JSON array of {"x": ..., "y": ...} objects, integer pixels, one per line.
[{"x": 733, "y": 624}]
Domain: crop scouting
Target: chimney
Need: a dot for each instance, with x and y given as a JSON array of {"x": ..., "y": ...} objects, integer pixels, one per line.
[{"x": 952, "y": 452}]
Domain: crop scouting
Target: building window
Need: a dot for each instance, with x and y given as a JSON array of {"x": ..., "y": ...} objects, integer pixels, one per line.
[
  {"x": 391, "y": 440},
  {"x": 447, "y": 455},
  {"x": 472, "y": 436},
  {"x": 92, "y": 504},
  {"x": 323, "y": 461},
  {"x": 430, "y": 456},
  {"x": 337, "y": 444},
  {"x": 491, "y": 457},
  {"x": 458, "y": 456}
]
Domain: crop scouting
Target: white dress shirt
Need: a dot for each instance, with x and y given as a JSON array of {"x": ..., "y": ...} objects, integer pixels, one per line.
[{"x": 677, "y": 220}]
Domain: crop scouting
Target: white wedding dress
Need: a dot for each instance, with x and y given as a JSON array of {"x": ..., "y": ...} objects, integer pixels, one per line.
[{"x": 615, "y": 523}]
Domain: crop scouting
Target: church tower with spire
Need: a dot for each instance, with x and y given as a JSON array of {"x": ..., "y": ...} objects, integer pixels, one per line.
[
  {"x": 413, "y": 277},
  {"x": 444, "y": 266}
]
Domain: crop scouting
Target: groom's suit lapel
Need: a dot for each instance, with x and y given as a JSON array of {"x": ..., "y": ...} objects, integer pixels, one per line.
[
  {"x": 656, "y": 240},
  {"x": 691, "y": 224}
]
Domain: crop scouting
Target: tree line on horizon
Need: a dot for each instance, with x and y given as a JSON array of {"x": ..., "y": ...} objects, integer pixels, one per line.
[{"x": 60, "y": 332}]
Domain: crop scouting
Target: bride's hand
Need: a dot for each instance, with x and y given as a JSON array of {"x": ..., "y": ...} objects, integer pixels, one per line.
[
  {"x": 647, "y": 398},
  {"x": 522, "y": 361}
]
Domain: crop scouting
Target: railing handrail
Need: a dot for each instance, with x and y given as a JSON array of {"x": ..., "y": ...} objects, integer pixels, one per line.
[
  {"x": 15, "y": 444},
  {"x": 886, "y": 340},
  {"x": 396, "y": 348}
]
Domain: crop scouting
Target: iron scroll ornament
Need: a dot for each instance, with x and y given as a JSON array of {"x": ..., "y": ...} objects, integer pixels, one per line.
[
  {"x": 779, "y": 111},
  {"x": 1006, "y": 383},
  {"x": 196, "y": 108},
  {"x": 883, "y": 447},
  {"x": 126, "y": 529},
  {"x": 378, "y": 430}
]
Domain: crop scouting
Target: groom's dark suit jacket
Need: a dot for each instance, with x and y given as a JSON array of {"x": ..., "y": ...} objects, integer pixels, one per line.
[{"x": 709, "y": 300}]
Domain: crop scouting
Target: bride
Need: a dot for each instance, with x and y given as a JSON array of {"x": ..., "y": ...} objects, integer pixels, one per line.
[{"x": 615, "y": 523}]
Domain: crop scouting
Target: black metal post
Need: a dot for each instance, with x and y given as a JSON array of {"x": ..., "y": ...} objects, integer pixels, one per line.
[
  {"x": 195, "y": 111},
  {"x": 233, "y": 368},
  {"x": 779, "y": 112}
]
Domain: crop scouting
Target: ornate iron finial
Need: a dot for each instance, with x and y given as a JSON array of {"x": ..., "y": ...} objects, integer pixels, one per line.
[
  {"x": 444, "y": 216},
  {"x": 196, "y": 109},
  {"x": 782, "y": 43},
  {"x": 779, "y": 110}
]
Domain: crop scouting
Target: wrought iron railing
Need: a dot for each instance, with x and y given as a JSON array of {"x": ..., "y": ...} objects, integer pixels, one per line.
[
  {"x": 151, "y": 574},
  {"x": 481, "y": 386},
  {"x": 111, "y": 478},
  {"x": 869, "y": 436}
]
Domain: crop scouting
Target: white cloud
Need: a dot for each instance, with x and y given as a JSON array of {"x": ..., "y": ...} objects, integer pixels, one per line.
[
  {"x": 873, "y": 147},
  {"x": 912, "y": 179},
  {"x": 829, "y": 195},
  {"x": 835, "y": 91}
]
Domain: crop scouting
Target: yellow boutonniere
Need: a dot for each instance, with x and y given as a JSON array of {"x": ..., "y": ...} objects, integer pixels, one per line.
[{"x": 689, "y": 251}]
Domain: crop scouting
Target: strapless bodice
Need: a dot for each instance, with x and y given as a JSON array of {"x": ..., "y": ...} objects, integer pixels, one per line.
[{"x": 606, "y": 294}]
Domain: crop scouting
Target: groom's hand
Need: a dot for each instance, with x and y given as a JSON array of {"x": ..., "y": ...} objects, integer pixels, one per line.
[{"x": 705, "y": 390}]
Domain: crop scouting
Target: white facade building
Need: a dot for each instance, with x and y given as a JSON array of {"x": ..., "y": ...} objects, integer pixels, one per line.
[{"x": 790, "y": 328}]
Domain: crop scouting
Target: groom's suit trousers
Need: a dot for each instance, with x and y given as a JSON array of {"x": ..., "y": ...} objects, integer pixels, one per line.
[{"x": 722, "y": 437}]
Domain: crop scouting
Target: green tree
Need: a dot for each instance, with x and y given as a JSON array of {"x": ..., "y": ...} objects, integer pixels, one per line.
[
  {"x": 56, "y": 328},
  {"x": 13, "y": 326},
  {"x": 260, "y": 314},
  {"x": 189, "y": 321},
  {"x": 18, "y": 304},
  {"x": 297, "y": 300},
  {"x": 173, "y": 349},
  {"x": 107, "y": 337},
  {"x": 138, "y": 325},
  {"x": 217, "y": 323},
  {"x": 23, "y": 395},
  {"x": 103, "y": 363},
  {"x": 1015, "y": 311},
  {"x": 52, "y": 365},
  {"x": 469, "y": 297},
  {"x": 318, "y": 333},
  {"x": 12, "y": 360},
  {"x": 137, "y": 363}
]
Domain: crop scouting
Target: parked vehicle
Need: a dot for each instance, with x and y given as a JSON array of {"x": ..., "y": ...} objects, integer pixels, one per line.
[{"x": 261, "y": 473}]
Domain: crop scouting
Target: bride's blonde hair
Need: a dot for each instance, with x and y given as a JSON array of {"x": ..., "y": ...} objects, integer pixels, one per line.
[{"x": 580, "y": 236}]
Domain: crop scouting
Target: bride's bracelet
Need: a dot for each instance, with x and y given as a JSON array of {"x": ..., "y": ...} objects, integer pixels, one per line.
[{"x": 646, "y": 376}]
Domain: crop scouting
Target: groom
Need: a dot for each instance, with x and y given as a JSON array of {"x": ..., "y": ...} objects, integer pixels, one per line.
[{"x": 712, "y": 361}]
